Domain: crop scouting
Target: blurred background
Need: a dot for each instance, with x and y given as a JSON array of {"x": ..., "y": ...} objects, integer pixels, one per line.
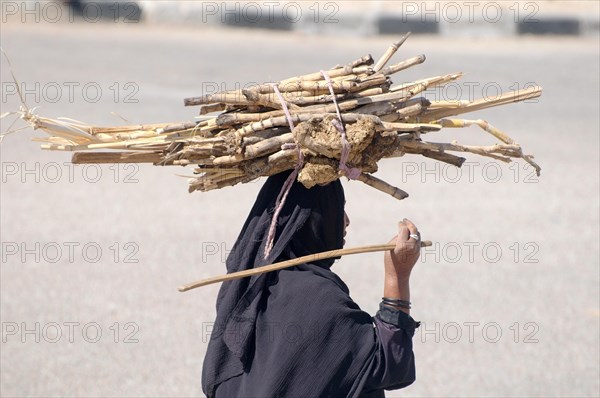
[{"x": 92, "y": 255}]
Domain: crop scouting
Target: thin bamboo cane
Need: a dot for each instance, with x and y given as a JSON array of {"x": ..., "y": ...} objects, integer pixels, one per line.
[{"x": 292, "y": 262}]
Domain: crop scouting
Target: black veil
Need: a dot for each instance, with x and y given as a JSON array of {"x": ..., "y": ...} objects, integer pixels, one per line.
[{"x": 272, "y": 329}]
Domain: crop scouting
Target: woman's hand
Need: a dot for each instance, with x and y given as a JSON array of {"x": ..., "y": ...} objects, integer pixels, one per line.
[{"x": 400, "y": 261}]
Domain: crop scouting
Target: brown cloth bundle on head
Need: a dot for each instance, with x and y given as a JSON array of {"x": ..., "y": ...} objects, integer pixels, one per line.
[{"x": 296, "y": 332}]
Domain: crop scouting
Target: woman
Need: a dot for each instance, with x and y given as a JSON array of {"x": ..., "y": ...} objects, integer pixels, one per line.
[{"x": 296, "y": 332}]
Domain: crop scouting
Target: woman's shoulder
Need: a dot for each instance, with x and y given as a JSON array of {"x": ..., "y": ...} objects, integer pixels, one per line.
[
  {"x": 313, "y": 277},
  {"x": 311, "y": 287}
]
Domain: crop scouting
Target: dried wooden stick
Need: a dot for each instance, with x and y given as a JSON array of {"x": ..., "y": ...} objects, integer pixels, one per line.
[
  {"x": 218, "y": 107},
  {"x": 502, "y": 152},
  {"x": 115, "y": 157},
  {"x": 483, "y": 103},
  {"x": 334, "y": 72},
  {"x": 297, "y": 118},
  {"x": 291, "y": 263},
  {"x": 382, "y": 186},
  {"x": 389, "y": 53},
  {"x": 437, "y": 155},
  {"x": 402, "y": 113},
  {"x": 411, "y": 89},
  {"x": 389, "y": 70}
]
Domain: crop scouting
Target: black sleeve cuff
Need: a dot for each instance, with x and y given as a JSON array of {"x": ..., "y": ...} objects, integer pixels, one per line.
[{"x": 397, "y": 318}]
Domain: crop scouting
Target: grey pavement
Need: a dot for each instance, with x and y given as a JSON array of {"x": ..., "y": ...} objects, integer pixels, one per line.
[{"x": 92, "y": 256}]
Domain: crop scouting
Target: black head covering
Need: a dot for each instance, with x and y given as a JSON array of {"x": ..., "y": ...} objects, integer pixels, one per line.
[{"x": 244, "y": 342}]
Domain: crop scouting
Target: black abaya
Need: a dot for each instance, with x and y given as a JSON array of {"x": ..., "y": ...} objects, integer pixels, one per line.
[{"x": 296, "y": 332}]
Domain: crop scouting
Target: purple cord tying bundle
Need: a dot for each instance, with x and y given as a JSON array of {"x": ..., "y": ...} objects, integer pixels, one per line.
[
  {"x": 285, "y": 189},
  {"x": 350, "y": 172}
]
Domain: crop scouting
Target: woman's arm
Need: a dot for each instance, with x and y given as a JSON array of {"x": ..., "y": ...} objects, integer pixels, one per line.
[
  {"x": 400, "y": 262},
  {"x": 393, "y": 364}
]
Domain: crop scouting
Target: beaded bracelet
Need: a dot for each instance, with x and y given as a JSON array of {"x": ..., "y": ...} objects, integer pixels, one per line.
[{"x": 396, "y": 302}]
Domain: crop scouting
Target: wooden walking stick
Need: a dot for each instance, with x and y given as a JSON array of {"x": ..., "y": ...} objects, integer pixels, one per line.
[{"x": 291, "y": 263}]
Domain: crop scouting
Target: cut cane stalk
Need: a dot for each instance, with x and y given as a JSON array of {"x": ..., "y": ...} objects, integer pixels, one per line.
[
  {"x": 390, "y": 70},
  {"x": 483, "y": 103},
  {"x": 382, "y": 186},
  {"x": 389, "y": 53},
  {"x": 115, "y": 157}
]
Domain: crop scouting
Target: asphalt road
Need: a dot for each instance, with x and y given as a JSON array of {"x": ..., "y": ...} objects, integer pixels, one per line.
[{"x": 92, "y": 257}]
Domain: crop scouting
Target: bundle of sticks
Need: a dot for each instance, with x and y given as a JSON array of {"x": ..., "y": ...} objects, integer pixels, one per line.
[{"x": 269, "y": 128}]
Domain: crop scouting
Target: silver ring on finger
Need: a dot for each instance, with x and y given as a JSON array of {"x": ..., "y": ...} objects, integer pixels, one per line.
[{"x": 416, "y": 237}]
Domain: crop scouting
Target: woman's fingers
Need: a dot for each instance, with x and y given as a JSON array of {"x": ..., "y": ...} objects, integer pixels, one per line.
[
  {"x": 413, "y": 229},
  {"x": 407, "y": 238},
  {"x": 403, "y": 231}
]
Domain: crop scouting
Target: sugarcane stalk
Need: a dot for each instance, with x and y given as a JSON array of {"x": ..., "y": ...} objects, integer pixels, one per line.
[
  {"x": 366, "y": 92},
  {"x": 403, "y": 113},
  {"x": 483, "y": 103},
  {"x": 351, "y": 68},
  {"x": 502, "y": 152},
  {"x": 267, "y": 146},
  {"x": 389, "y": 53},
  {"x": 297, "y": 118},
  {"x": 115, "y": 157},
  {"x": 382, "y": 186},
  {"x": 218, "y": 107},
  {"x": 390, "y": 70}
]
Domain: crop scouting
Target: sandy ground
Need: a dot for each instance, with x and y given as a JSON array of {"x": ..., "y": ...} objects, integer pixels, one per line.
[{"x": 91, "y": 257}]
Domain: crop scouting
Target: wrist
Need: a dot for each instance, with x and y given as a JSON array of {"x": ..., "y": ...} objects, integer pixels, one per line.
[
  {"x": 401, "y": 275},
  {"x": 396, "y": 283},
  {"x": 397, "y": 289}
]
